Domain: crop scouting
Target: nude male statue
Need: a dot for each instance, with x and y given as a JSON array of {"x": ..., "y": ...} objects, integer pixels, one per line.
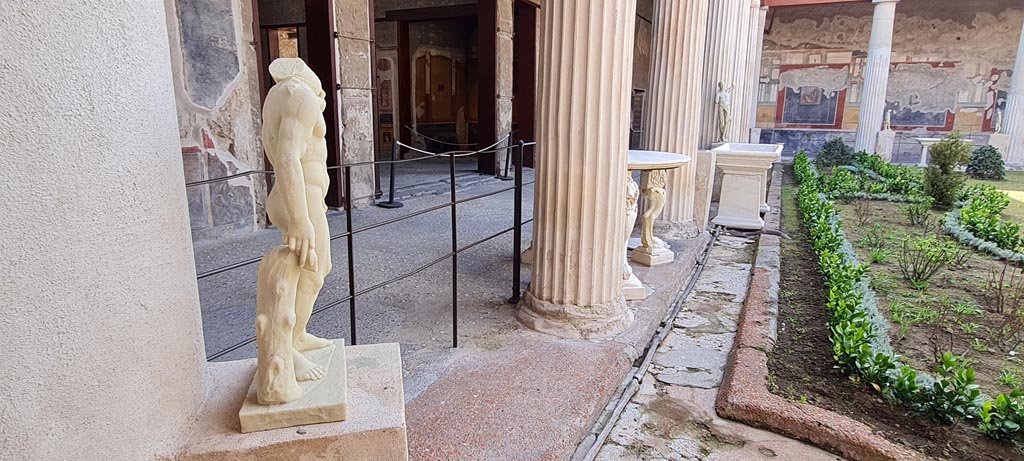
[
  {"x": 724, "y": 102},
  {"x": 291, "y": 275}
]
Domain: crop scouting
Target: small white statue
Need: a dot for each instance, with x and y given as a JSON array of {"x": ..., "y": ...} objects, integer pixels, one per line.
[
  {"x": 723, "y": 100},
  {"x": 291, "y": 275},
  {"x": 888, "y": 120},
  {"x": 999, "y": 121}
]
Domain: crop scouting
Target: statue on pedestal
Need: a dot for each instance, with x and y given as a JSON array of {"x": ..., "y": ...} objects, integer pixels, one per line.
[
  {"x": 888, "y": 121},
  {"x": 723, "y": 101},
  {"x": 998, "y": 124},
  {"x": 291, "y": 275}
]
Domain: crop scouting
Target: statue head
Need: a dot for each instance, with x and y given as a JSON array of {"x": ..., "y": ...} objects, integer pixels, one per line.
[
  {"x": 286, "y": 68},
  {"x": 721, "y": 86}
]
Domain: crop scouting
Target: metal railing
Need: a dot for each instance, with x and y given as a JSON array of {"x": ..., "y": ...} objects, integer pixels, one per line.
[{"x": 515, "y": 150}]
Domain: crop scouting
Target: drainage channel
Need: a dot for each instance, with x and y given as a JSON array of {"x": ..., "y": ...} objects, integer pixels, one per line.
[{"x": 631, "y": 384}]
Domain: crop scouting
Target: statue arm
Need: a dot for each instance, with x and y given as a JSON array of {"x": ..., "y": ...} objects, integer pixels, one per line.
[{"x": 296, "y": 129}]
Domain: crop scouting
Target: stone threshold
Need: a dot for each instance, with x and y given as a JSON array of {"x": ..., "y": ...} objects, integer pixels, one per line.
[
  {"x": 744, "y": 395},
  {"x": 535, "y": 396}
]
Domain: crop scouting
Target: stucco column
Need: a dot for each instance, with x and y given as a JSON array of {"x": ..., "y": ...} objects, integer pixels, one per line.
[
  {"x": 755, "y": 76},
  {"x": 101, "y": 335},
  {"x": 876, "y": 76},
  {"x": 582, "y": 114},
  {"x": 674, "y": 110},
  {"x": 1013, "y": 120},
  {"x": 751, "y": 71},
  {"x": 728, "y": 30}
]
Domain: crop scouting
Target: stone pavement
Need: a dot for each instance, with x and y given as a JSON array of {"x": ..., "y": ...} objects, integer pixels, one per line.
[{"x": 672, "y": 416}]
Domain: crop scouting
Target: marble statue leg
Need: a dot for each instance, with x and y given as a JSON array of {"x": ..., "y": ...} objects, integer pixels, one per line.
[
  {"x": 632, "y": 288},
  {"x": 650, "y": 252},
  {"x": 278, "y": 278}
]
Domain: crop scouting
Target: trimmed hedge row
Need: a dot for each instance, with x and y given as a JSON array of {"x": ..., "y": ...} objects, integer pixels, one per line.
[{"x": 859, "y": 332}]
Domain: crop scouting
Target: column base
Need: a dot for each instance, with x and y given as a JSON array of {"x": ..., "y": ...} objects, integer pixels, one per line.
[
  {"x": 651, "y": 257},
  {"x": 633, "y": 289},
  {"x": 574, "y": 322}
]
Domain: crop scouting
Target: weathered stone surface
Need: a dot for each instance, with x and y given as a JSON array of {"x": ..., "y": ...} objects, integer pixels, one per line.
[
  {"x": 210, "y": 47},
  {"x": 672, "y": 416}
]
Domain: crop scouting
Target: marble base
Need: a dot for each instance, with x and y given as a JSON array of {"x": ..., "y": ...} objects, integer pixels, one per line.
[
  {"x": 634, "y": 243},
  {"x": 323, "y": 401},
  {"x": 633, "y": 289},
  {"x": 734, "y": 222},
  {"x": 651, "y": 257},
  {"x": 575, "y": 322}
]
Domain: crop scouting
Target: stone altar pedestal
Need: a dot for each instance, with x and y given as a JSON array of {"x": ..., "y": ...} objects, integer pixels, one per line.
[
  {"x": 654, "y": 167},
  {"x": 926, "y": 146},
  {"x": 1002, "y": 142},
  {"x": 885, "y": 144},
  {"x": 744, "y": 185}
]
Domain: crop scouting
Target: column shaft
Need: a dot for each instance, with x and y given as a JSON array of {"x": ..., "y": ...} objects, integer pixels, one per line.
[
  {"x": 674, "y": 110},
  {"x": 876, "y": 75},
  {"x": 1013, "y": 121},
  {"x": 755, "y": 81},
  {"x": 751, "y": 71},
  {"x": 101, "y": 310},
  {"x": 583, "y": 109},
  {"x": 727, "y": 21}
]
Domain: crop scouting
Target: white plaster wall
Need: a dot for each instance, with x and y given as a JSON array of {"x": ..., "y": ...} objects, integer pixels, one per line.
[{"x": 100, "y": 333}]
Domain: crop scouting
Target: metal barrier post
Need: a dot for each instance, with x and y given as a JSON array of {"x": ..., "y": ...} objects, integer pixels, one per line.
[
  {"x": 508, "y": 157},
  {"x": 455, "y": 255},
  {"x": 517, "y": 226},
  {"x": 391, "y": 203},
  {"x": 351, "y": 257}
]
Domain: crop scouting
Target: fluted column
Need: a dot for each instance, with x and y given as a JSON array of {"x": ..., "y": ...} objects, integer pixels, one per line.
[
  {"x": 751, "y": 71},
  {"x": 582, "y": 113},
  {"x": 1013, "y": 121},
  {"x": 673, "y": 114},
  {"x": 755, "y": 81},
  {"x": 876, "y": 76},
  {"x": 725, "y": 62}
]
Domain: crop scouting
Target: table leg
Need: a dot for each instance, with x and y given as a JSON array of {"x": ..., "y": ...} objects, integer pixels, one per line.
[
  {"x": 651, "y": 253},
  {"x": 632, "y": 288}
]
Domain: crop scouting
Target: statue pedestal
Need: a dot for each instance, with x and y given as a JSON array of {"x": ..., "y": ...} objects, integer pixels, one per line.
[
  {"x": 1000, "y": 141},
  {"x": 323, "y": 401},
  {"x": 744, "y": 183},
  {"x": 375, "y": 429},
  {"x": 633, "y": 289},
  {"x": 886, "y": 141}
]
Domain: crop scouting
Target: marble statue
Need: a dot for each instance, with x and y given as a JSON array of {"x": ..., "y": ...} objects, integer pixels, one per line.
[
  {"x": 888, "y": 120},
  {"x": 723, "y": 100},
  {"x": 998, "y": 124},
  {"x": 291, "y": 275}
]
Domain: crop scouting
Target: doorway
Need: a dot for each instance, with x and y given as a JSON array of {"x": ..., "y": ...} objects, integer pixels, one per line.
[{"x": 303, "y": 29}]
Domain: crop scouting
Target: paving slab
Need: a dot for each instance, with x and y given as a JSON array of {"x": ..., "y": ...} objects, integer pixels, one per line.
[{"x": 672, "y": 416}]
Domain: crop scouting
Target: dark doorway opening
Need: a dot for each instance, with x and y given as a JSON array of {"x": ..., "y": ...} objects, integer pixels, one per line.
[{"x": 303, "y": 29}]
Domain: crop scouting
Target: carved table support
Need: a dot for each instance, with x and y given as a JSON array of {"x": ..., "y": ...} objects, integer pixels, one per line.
[
  {"x": 652, "y": 252},
  {"x": 632, "y": 288}
]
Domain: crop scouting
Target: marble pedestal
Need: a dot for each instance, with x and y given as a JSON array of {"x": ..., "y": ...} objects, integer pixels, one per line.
[
  {"x": 885, "y": 143},
  {"x": 743, "y": 185},
  {"x": 1002, "y": 142},
  {"x": 323, "y": 401}
]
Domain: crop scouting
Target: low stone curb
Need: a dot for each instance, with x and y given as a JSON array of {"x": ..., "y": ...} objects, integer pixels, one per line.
[{"x": 744, "y": 395}]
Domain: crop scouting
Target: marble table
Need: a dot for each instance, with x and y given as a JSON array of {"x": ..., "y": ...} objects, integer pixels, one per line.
[
  {"x": 926, "y": 147},
  {"x": 652, "y": 252}
]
